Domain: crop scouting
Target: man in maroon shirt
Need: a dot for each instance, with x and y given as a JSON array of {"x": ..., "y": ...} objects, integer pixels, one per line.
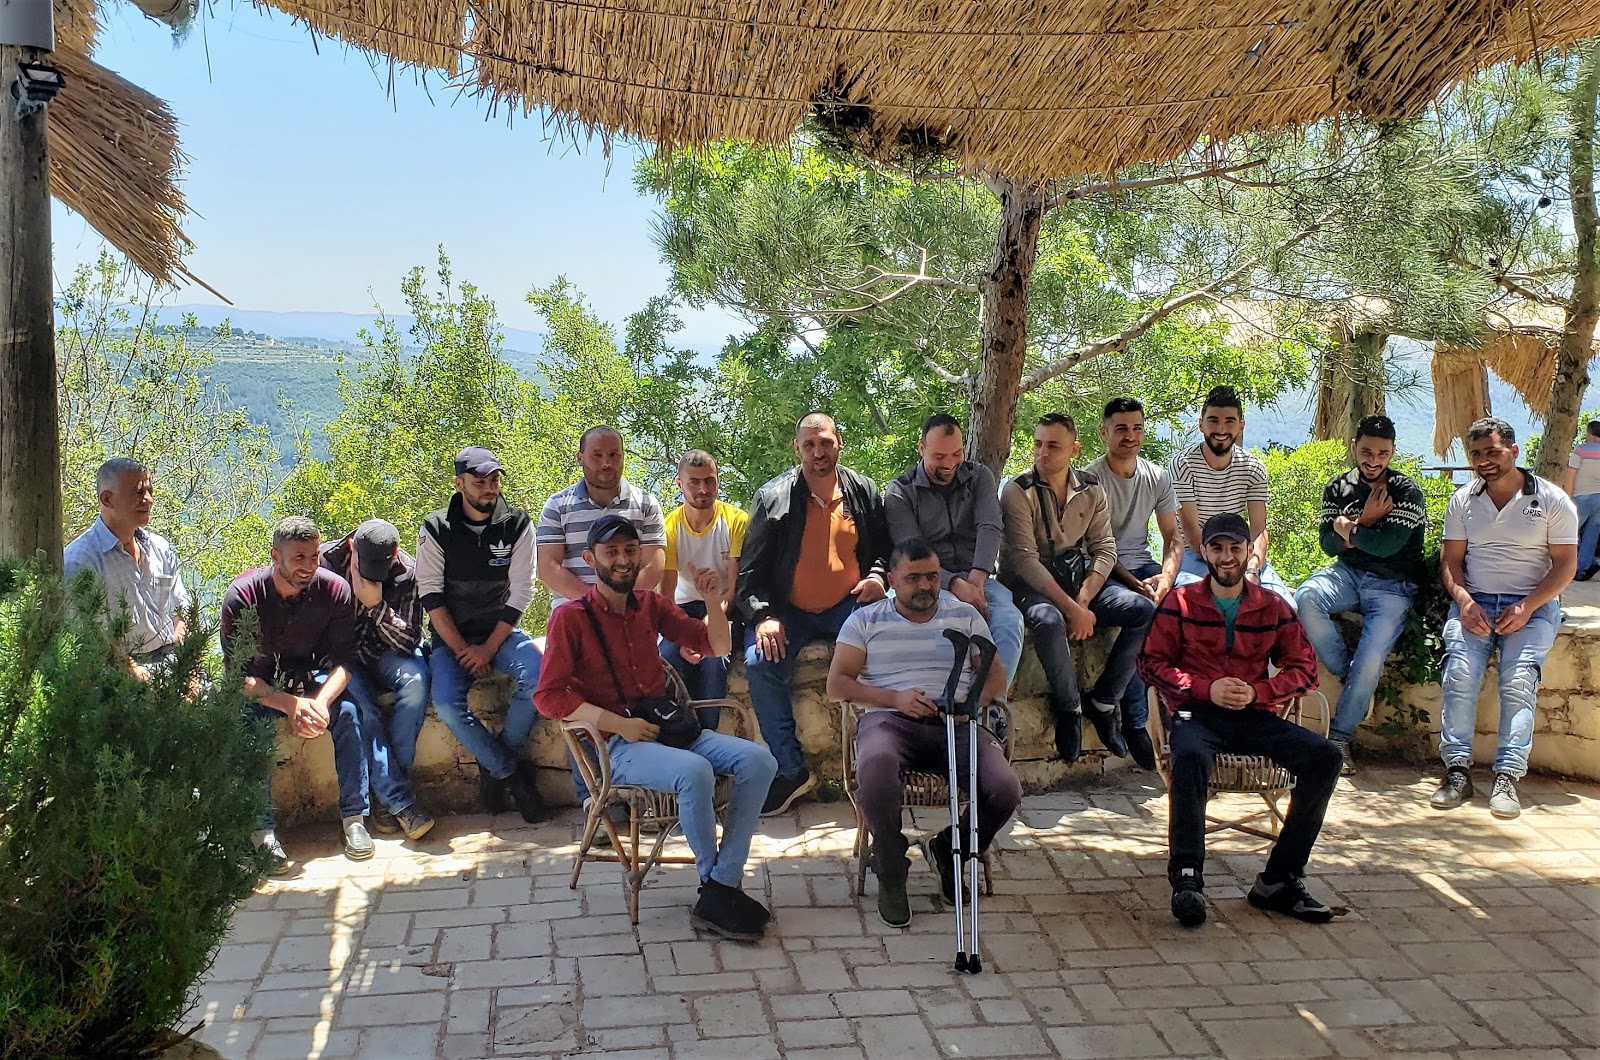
[
  {"x": 1210, "y": 654},
  {"x": 600, "y": 659}
]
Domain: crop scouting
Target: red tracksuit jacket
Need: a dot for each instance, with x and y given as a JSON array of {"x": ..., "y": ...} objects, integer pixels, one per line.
[{"x": 1186, "y": 649}]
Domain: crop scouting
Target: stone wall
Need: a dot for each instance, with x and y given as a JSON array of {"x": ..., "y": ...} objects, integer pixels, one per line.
[{"x": 1566, "y": 741}]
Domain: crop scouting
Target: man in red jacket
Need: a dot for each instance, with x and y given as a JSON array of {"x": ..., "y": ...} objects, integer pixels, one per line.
[{"x": 1208, "y": 655}]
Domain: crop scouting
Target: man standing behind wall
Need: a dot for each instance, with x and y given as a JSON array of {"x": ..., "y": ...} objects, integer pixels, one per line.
[
  {"x": 1216, "y": 475},
  {"x": 388, "y": 659},
  {"x": 475, "y": 578},
  {"x": 564, "y": 523},
  {"x": 138, "y": 569},
  {"x": 1583, "y": 486},
  {"x": 1135, "y": 490},
  {"x": 1373, "y": 521},
  {"x": 817, "y": 547},
  {"x": 1510, "y": 546},
  {"x": 703, "y": 533},
  {"x": 952, "y": 503}
]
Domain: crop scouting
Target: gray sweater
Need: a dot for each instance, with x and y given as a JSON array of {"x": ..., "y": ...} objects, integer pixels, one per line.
[{"x": 961, "y": 521}]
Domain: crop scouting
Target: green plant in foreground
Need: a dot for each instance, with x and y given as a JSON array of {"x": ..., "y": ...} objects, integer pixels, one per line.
[{"x": 125, "y": 817}]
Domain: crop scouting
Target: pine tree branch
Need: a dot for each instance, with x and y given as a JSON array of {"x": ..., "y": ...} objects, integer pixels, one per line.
[
  {"x": 1123, "y": 339},
  {"x": 1512, "y": 283},
  {"x": 1083, "y": 191}
]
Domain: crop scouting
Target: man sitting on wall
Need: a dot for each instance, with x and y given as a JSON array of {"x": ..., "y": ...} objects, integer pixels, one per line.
[
  {"x": 600, "y": 666},
  {"x": 1210, "y": 652},
  {"x": 893, "y": 660}
]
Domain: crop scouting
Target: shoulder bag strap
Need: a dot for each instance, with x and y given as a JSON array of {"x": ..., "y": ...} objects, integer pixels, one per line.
[{"x": 594, "y": 624}]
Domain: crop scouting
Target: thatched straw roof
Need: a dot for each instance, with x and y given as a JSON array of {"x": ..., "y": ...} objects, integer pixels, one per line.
[
  {"x": 1460, "y": 394},
  {"x": 1026, "y": 87}
]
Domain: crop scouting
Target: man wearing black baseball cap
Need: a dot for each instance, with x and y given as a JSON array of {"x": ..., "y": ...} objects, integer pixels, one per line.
[
  {"x": 388, "y": 659},
  {"x": 1209, "y": 654},
  {"x": 601, "y": 668},
  {"x": 475, "y": 578}
]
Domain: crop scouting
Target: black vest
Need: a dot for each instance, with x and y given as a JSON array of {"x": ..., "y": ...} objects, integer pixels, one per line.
[{"x": 477, "y": 566}]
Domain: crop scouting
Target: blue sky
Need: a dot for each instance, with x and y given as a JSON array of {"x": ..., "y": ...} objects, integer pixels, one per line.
[{"x": 313, "y": 189}]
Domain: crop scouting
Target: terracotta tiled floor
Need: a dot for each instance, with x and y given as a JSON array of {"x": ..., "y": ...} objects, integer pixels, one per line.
[{"x": 1466, "y": 937}]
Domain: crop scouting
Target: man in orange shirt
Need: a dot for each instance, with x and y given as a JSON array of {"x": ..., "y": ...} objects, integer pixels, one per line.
[{"x": 817, "y": 547}]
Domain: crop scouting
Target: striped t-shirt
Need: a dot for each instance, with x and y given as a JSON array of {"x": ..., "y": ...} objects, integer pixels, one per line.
[
  {"x": 567, "y": 516},
  {"x": 1585, "y": 460},
  {"x": 1213, "y": 492},
  {"x": 902, "y": 654}
]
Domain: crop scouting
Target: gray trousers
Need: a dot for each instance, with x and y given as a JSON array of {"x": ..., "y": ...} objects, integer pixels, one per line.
[{"x": 890, "y": 744}]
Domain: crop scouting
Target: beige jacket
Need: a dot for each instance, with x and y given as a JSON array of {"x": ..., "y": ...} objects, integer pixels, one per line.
[{"x": 1083, "y": 521}]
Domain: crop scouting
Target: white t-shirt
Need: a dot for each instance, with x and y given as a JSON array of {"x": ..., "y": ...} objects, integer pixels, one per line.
[
  {"x": 1213, "y": 492},
  {"x": 902, "y": 654},
  {"x": 1508, "y": 549},
  {"x": 722, "y": 541},
  {"x": 1131, "y": 502}
]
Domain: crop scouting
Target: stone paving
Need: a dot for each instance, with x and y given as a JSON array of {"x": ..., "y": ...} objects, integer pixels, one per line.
[{"x": 1466, "y": 937}]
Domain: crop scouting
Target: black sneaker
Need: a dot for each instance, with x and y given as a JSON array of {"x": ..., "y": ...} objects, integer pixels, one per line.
[
  {"x": 414, "y": 821},
  {"x": 491, "y": 791},
  {"x": 1140, "y": 749},
  {"x": 785, "y": 790},
  {"x": 1188, "y": 899},
  {"x": 751, "y": 907},
  {"x": 894, "y": 907},
  {"x": 1069, "y": 737},
  {"x": 1289, "y": 897},
  {"x": 936, "y": 852},
  {"x": 719, "y": 910},
  {"x": 1347, "y": 762},
  {"x": 1104, "y": 720},
  {"x": 381, "y": 820},
  {"x": 1455, "y": 789},
  {"x": 523, "y": 788}
]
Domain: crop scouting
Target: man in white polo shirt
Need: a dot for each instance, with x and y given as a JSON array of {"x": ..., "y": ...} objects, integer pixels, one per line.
[
  {"x": 1510, "y": 546},
  {"x": 1215, "y": 475}
]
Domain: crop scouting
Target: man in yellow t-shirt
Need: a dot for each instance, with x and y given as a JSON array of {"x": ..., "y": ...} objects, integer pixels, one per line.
[{"x": 703, "y": 532}]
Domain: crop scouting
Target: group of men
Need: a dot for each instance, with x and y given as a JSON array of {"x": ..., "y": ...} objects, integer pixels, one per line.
[{"x": 336, "y": 642}]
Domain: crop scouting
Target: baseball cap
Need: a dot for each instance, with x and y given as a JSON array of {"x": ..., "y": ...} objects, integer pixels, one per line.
[
  {"x": 1225, "y": 524},
  {"x": 375, "y": 542},
  {"x": 476, "y": 460},
  {"x": 609, "y": 526}
]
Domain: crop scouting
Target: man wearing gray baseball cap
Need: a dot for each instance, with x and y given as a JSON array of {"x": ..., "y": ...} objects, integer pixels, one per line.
[{"x": 388, "y": 660}]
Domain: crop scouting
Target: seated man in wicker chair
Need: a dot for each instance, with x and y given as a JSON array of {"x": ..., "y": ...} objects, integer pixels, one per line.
[
  {"x": 893, "y": 659},
  {"x": 1208, "y": 655},
  {"x": 600, "y": 667}
]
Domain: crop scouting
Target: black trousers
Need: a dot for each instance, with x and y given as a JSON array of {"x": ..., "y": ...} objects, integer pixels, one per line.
[{"x": 1200, "y": 735}]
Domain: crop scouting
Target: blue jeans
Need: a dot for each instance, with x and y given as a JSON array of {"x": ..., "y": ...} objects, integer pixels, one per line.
[
  {"x": 1194, "y": 569},
  {"x": 691, "y": 775},
  {"x": 1005, "y": 625},
  {"x": 771, "y": 683},
  {"x": 349, "y": 754},
  {"x": 1383, "y": 603},
  {"x": 392, "y": 748},
  {"x": 1588, "y": 529},
  {"x": 1115, "y": 605},
  {"x": 709, "y": 679},
  {"x": 1135, "y": 700},
  {"x": 1521, "y": 660},
  {"x": 517, "y": 657}
]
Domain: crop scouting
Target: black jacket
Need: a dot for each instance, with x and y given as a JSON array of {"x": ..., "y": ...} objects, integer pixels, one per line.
[
  {"x": 481, "y": 577},
  {"x": 777, "y": 521}
]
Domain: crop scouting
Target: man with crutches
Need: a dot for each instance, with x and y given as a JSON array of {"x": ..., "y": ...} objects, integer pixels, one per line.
[{"x": 895, "y": 660}]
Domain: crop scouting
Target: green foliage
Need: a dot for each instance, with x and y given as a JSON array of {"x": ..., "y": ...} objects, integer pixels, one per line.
[
  {"x": 1297, "y": 477},
  {"x": 129, "y": 388},
  {"x": 126, "y": 810}
]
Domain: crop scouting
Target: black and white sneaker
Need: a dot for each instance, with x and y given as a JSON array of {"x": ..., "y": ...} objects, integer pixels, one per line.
[
  {"x": 786, "y": 791},
  {"x": 1289, "y": 897},
  {"x": 1188, "y": 899}
]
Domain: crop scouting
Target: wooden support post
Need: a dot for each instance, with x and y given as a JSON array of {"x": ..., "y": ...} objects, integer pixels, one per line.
[{"x": 30, "y": 445}]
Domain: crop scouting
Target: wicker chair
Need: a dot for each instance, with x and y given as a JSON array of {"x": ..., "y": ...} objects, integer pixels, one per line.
[
  {"x": 923, "y": 791},
  {"x": 1245, "y": 774},
  {"x": 652, "y": 815}
]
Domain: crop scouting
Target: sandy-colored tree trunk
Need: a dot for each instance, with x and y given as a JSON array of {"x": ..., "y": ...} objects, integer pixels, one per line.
[
  {"x": 1583, "y": 309},
  {"x": 1004, "y": 290}
]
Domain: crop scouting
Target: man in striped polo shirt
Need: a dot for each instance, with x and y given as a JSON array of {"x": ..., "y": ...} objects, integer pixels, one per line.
[
  {"x": 564, "y": 523},
  {"x": 893, "y": 660},
  {"x": 1216, "y": 475}
]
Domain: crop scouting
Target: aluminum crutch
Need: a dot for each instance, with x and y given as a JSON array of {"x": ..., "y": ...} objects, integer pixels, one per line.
[{"x": 971, "y": 708}]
